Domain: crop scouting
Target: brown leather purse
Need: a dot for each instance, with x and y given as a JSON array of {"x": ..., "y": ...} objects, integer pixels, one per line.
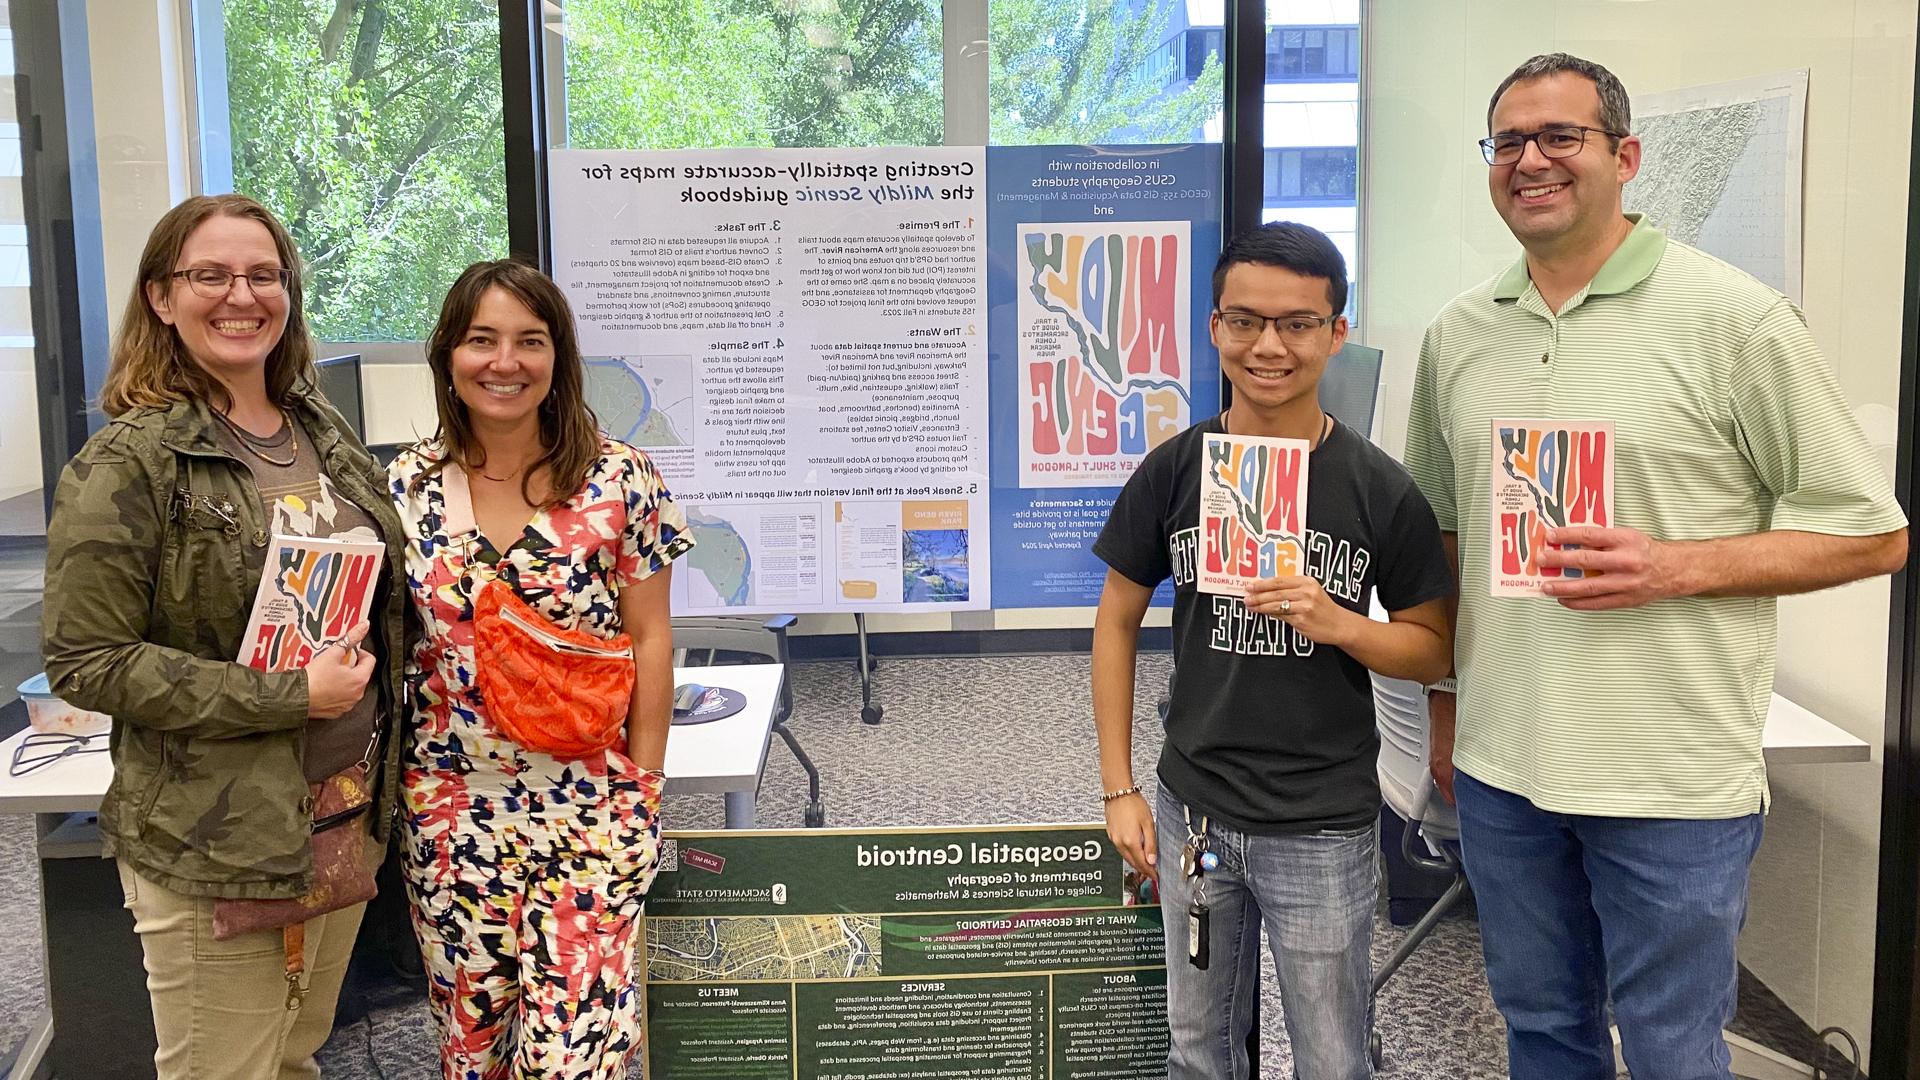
[{"x": 342, "y": 872}]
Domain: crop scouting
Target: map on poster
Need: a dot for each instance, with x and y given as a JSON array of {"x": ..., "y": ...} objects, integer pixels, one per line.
[
  {"x": 790, "y": 333},
  {"x": 643, "y": 400},
  {"x": 1721, "y": 171},
  {"x": 751, "y": 556}
]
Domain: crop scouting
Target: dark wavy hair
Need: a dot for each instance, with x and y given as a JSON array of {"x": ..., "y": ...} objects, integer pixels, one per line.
[{"x": 569, "y": 432}]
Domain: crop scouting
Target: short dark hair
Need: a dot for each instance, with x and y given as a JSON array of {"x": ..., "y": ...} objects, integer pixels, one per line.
[
  {"x": 1616, "y": 112},
  {"x": 1288, "y": 245}
]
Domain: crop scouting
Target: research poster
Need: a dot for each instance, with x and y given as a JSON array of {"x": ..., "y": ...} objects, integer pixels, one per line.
[
  {"x": 901, "y": 954},
  {"x": 797, "y": 339},
  {"x": 1099, "y": 284}
]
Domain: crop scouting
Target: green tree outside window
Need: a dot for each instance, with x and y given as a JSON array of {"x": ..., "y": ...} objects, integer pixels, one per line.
[{"x": 373, "y": 127}]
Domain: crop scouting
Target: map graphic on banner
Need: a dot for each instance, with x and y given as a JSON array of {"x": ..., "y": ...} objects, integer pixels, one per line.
[
  {"x": 901, "y": 954},
  {"x": 1105, "y": 323},
  {"x": 1100, "y": 260},
  {"x": 795, "y": 337},
  {"x": 1721, "y": 171}
]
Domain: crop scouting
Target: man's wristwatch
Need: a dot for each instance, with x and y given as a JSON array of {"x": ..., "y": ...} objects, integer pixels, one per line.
[{"x": 1448, "y": 685}]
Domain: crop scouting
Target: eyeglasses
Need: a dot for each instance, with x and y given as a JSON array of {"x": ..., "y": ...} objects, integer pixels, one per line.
[
  {"x": 1554, "y": 142},
  {"x": 1245, "y": 328},
  {"x": 214, "y": 283},
  {"x": 42, "y": 748}
]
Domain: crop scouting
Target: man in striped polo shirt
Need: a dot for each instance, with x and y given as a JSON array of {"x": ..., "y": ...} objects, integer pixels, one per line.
[{"x": 1607, "y": 761}]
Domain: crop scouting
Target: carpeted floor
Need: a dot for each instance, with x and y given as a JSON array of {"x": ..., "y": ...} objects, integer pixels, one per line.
[
  {"x": 999, "y": 741},
  {"x": 966, "y": 741}
]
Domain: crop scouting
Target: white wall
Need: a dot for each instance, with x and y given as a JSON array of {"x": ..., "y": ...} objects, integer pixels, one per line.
[
  {"x": 140, "y": 120},
  {"x": 1429, "y": 232},
  {"x": 19, "y": 393}
]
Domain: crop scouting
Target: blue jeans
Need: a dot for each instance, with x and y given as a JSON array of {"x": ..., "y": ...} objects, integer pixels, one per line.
[
  {"x": 1315, "y": 893},
  {"x": 1575, "y": 910}
]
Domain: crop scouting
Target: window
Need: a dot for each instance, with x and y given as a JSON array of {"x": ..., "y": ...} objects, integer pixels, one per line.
[
  {"x": 708, "y": 73},
  {"x": 1313, "y": 54},
  {"x": 1202, "y": 45},
  {"x": 1049, "y": 79},
  {"x": 374, "y": 132},
  {"x": 1311, "y": 176}
]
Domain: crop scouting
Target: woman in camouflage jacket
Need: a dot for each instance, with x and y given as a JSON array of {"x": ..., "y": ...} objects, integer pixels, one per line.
[{"x": 160, "y": 529}]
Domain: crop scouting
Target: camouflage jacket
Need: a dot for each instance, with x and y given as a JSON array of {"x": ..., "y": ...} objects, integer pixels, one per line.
[{"x": 154, "y": 551}]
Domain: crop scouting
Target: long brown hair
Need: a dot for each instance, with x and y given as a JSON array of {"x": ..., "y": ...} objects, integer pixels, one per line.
[
  {"x": 150, "y": 366},
  {"x": 569, "y": 432}
]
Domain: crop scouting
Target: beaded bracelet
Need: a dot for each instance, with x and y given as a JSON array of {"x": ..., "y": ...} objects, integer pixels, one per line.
[{"x": 1109, "y": 796}]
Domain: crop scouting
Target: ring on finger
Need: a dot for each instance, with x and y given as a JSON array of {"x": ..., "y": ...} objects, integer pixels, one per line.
[{"x": 1286, "y": 607}]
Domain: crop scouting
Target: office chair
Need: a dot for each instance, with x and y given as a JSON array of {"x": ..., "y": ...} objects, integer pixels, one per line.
[
  {"x": 745, "y": 639},
  {"x": 1400, "y": 711}
]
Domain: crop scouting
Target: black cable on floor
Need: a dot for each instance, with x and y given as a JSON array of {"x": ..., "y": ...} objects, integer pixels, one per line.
[{"x": 373, "y": 1060}]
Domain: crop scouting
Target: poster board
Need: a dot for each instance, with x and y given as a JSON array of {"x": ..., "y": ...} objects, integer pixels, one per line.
[
  {"x": 795, "y": 337},
  {"x": 1100, "y": 264},
  {"x": 887, "y": 954},
  {"x": 895, "y": 379}
]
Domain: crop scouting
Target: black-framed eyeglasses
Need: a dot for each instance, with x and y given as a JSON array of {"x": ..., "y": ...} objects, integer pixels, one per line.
[
  {"x": 213, "y": 282},
  {"x": 1554, "y": 142},
  {"x": 1244, "y": 327},
  {"x": 43, "y": 748}
]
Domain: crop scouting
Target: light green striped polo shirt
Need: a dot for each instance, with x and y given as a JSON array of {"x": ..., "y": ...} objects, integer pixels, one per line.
[{"x": 1727, "y": 420}]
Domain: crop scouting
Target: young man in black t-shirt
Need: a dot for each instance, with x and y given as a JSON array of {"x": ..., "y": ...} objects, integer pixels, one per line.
[{"x": 1270, "y": 742}]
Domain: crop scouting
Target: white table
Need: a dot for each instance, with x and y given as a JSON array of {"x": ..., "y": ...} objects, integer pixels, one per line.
[
  {"x": 727, "y": 756},
  {"x": 723, "y": 756},
  {"x": 1795, "y": 736}
]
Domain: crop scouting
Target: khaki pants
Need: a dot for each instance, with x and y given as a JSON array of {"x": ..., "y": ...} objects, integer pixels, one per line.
[{"x": 220, "y": 1007}]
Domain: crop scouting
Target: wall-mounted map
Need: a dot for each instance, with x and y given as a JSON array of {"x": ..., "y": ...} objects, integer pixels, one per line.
[{"x": 1721, "y": 171}]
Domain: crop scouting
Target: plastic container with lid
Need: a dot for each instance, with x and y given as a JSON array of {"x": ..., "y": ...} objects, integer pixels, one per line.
[{"x": 46, "y": 712}]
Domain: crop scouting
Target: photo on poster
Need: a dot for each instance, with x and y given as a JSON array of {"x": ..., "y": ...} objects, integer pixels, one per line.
[
  {"x": 933, "y": 552},
  {"x": 1103, "y": 346},
  {"x": 1253, "y": 511},
  {"x": 1546, "y": 474},
  {"x": 748, "y": 556},
  {"x": 872, "y": 554}
]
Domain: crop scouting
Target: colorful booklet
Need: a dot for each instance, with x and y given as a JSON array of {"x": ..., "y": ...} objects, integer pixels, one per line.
[
  {"x": 1253, "y": 511},
  {"x": 311, "y": 593},
  {"x": 1546, "y": 474}
]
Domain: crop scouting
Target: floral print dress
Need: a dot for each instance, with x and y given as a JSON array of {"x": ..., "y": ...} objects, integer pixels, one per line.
[{"x": 526, "y": 873}]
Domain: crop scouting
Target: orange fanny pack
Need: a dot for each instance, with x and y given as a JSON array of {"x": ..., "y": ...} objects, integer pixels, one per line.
[{"x": 555, "y": 691}]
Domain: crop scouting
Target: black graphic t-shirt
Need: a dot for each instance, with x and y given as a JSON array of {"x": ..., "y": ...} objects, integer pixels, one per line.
[{"x": 1269, "y": 732}]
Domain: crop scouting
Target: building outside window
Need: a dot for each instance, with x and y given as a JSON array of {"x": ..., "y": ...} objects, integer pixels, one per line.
[{"x": 1312, "y": 118}]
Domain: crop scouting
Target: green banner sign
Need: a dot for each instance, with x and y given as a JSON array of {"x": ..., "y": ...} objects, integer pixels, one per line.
[{"x": 1011, "y": 953}]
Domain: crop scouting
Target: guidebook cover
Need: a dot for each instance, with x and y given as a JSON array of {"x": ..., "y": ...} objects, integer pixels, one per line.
[
  {"x": 311, "y": 593},
  {"x": 1546, "y": 474},
  {"x": 1253, "y": 511}
]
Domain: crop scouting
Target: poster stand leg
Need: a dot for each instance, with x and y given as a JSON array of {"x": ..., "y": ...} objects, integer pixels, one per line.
[{"x": 869, "y": 712}]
